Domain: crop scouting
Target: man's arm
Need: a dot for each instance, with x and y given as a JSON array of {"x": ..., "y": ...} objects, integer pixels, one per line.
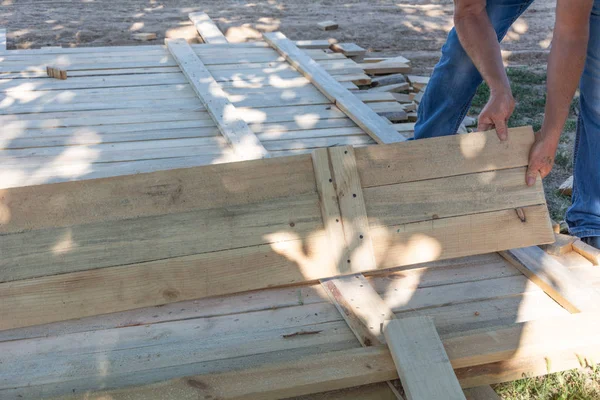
[
  {"x": 479, "y": 39},
  {"x": 566, "y": 62}
]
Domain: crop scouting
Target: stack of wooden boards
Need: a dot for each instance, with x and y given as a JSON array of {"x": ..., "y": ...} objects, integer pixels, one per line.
[{"x": 80, "y": 249}]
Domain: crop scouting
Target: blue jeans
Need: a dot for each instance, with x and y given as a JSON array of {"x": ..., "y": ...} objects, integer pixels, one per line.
[{"x": 455, "y": 80}]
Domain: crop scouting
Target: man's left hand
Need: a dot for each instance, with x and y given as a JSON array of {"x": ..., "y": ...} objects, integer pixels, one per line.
[{"x": 541, "y": 158}]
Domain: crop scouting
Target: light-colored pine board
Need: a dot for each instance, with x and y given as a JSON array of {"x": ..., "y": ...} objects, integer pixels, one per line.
[
  {"x": 562, "y": 245},
  {"x": 449, "y": 197},
  {"x": 143, "y": 36},
  {"x": 162, "y": 192},
  {"x": 327, "y": 25},
  {"x": 441, "y": 157},
  {"x": 348, "y": 49},
  {"x": 459, "y": 236},
  {"x": 418, "y": 82},
  {"x": 330, "y": 209},
  {"x": 315, "y": 44},
  {"x": 355, "y": 222},
  {"x": 396, "y": 87},
  {"x": 590, "y": 253},
  {"x": 207, "y": 29},
  {"x": 422, "y": 363},
  {"x": 534, "y": 341},
  {"x": 554, "y": 278},
  {"x": 346, "y": 101},
  {"x": 362, "y": 309},
  {"x": 237, "y": 132},
  {"x": 385, "y": 67}
]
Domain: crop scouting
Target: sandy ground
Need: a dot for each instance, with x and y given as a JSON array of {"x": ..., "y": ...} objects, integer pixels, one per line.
[{"x": 415, "y": 29}]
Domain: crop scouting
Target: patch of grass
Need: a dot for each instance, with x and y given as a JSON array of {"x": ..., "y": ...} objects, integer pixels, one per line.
[
  {"x": 568, "y": 385},
  {"x": 563, "y": 160}
]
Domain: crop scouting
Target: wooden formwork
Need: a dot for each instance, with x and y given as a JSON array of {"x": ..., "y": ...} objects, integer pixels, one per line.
[{"x": 223, "y": 281}]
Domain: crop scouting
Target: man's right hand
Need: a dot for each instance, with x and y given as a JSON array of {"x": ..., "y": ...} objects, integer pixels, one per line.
[{"x": 496, "y": 113}]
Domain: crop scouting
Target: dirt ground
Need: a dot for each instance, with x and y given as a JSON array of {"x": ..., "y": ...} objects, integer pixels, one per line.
[{"x": 415, "y": 29}]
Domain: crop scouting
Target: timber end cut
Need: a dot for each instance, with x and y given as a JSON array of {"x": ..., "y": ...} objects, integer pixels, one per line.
[
  {"x": 327, "y": 25},
  {"x": 184, "y": 234},
  {"x": 56, "y": 73}
]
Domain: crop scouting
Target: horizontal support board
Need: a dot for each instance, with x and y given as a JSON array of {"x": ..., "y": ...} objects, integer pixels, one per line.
[{"x": 536, "y": 340}]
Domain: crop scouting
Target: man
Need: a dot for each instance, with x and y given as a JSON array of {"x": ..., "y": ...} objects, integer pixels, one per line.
[{"x": 472, "y": 53}]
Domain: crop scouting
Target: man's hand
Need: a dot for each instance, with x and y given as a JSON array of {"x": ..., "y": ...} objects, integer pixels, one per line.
[
  {"x": 496, "y": 113},
  {"x": 541, "y": 157}
]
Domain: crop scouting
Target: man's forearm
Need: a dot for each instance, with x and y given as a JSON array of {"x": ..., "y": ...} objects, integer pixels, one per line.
[
  {"x": 480, "y": 41},
  {"x": 565, "y": 65}
]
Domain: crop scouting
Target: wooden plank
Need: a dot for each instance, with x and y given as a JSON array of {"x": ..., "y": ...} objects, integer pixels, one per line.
[
  {"x": 241, "y": 137},
  {"x": 2, "y": 39},
  {"x": 352, "y": 207},
  {"x": 385, "y": 67},
  {"x": 330, "y": 209},
  {"x": 448, "y": 197},
  {"x": 562, "y": 245},
  {"x": 535, "y": 341},
  {"x": 346, "y": 101},
  {"x": 327, "y": 25},
  {"x": 441, "y": 157},
  {"x": 348, "y": 49},
  {"x": 315, "y": 44},
  {"x": 422, "y": 363},
  {"x": 363, "y": 310},
  {"x": 591, "y": 253},
  {"x": 207, "y": 29},
  {"x": 554, "y": 278},
  {"x": 459, "y": 236},
  {"x": 162, "y": 192}
]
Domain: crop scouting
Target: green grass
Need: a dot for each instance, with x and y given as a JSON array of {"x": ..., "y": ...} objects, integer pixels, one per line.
[
  {"x": 569, "y": 385},
  {"x": 529, "y": 90}
]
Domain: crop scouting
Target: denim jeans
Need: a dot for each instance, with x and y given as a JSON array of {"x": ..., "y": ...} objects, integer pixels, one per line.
[{"x": 455, "y": 79}]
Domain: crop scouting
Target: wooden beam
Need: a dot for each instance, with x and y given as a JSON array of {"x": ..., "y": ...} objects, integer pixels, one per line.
[
  {"x": 491, "y": 349},
  {"x": 355, "y": 222},
  {"x": 242, "y": 138},
  {"x": 363, "y": 309},
  {"x": 422, "y": 363},
  {"x": 207, "y": 29},
  {"x": 590, "y": 253},
  {"x": 315, "y": 44},
  {"x": 554, "y": 278},
  {"x": 364, "y": 117}
]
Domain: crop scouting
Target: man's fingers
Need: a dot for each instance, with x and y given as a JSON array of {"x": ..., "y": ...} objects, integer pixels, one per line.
[
  {"x": 501, "y": 129},
  {"x": 484, "y": 124},
  {"x": 531, "y": 176}
]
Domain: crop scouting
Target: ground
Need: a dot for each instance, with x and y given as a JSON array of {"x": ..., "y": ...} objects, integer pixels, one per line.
[{"x": 415, "y": 29}]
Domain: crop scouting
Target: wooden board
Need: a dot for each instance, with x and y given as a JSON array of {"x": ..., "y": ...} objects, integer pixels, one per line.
[
  {"x": 346, "y": 101},
  {"x": 207, "y": 29},
  {"x": 493, "y": 349},
  {"x": 422, "y": 363},
  {"x": 554, "y": 278},
  {"x": 243, "y": 140},
  {"x": 122, "y": 243}
]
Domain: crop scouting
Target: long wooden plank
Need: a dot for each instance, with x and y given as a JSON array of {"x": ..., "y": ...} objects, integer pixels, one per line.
[
  {"x": 442, "y": 157},
  {"x": 422, "y": 363},
  {"x": 363, "y": 310},
  {"x": 554, "y": 278},
  {"x": 237, "y": 132},
  {"x": 535, "y": 340},
  {"x": 378, "y": 129},
  {"x": 353, "y": 211},
  {"x": 459, "y": 236},
  {"x": 207, "y": 29},
  {"x": 450, "y": 196},
  {"x": 330, "y": 208}
]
